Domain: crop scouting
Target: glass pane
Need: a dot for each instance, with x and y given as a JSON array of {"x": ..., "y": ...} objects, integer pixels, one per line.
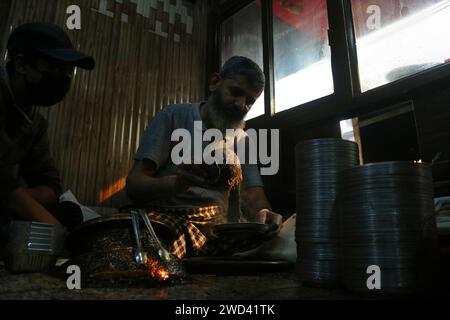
[
  {"x": 301, "y": 52},
  {"x": 242, "y": 36},
  {"x": 397, "y": 38},
  {"x": 347, "y": 131}
]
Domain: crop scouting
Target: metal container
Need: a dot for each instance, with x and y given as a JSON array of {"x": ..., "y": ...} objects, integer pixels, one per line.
[
  {"x": 104, "y": 249},
  {"x": 318, "y": 163},
  {"x": 33, "y": 246},
  {"x": 387, "y": 220}
]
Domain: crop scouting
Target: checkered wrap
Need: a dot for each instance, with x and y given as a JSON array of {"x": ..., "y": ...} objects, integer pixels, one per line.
[
  {"x": 189, "y": 240},
  {"x": 183, "y": 223}
]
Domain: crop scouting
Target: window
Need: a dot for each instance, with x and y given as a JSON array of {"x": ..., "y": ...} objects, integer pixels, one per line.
[
  {"x": 302, "y": 56},
  {"x": 397, "y": 38},
  {"x": 389, "y": 135},
  {"x": 393, "y": 39},
  {"x": 241, "y": 35},
  {"x": 347, "y": 130}
]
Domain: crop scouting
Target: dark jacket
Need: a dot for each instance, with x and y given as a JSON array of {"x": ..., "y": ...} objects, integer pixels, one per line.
[{"x": 25, "y": 158}]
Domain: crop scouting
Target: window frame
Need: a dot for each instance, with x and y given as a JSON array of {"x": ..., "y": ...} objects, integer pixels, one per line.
[{"x": 347, "y": 100}]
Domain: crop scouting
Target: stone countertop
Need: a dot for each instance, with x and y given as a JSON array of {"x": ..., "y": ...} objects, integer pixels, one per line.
[
  {"x": 267, "y": 286},
  {"x": 263, "y": 286}
]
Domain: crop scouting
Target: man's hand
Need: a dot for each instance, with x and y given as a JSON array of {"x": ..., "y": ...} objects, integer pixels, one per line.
[
  {"x": 27, "y": 208},
  {"x": 269, "y": 217},
  {"x": 258, "y": 209},
  {"x": 143, "y": 185},
  {"x": 189, "y": 176},
  {"x": 203, "y": 175}
]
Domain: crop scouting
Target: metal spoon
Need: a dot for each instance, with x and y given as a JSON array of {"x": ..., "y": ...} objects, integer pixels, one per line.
[
  {"x": 139, "y": 255},
  {"x": 162, "y": 252}
]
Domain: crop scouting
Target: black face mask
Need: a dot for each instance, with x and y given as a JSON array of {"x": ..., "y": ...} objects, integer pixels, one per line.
[{"x": 50, "y": 90}]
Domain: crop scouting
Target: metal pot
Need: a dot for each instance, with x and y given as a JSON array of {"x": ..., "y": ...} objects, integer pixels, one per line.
[{"x": 104, "y": 250}]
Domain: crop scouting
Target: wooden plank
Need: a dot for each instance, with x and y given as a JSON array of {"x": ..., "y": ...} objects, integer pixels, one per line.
[
  {"x": 111, "y": 131},
  {"x": 87, "y": 104},
  {"x": 5, "y": 7},
  {"x": 108, "y": 30}
]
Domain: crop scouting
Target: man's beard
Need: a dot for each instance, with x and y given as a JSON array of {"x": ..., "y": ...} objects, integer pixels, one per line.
[{"x": 219, "y": 119}]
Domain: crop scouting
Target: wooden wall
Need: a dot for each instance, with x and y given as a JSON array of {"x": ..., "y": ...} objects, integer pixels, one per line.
[
  {"x": 4, "y": 13},
  {"x": 149, "y": 54}
]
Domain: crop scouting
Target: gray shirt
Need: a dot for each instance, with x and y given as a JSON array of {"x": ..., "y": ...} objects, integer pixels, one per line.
[{"x": 156, "y": 145}]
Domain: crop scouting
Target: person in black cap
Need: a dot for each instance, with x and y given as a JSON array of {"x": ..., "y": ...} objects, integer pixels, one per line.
[{"x": 39, "y": 70}]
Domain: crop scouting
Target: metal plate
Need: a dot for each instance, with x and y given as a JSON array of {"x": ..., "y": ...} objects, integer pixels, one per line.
[
  {"x": 241, "y": 229},
  {"x": 230, "y": 265},
  {"x": 318, "y": 165},
  {"x": 80, "y": 239},
  {"x": 385, "y": 212}
]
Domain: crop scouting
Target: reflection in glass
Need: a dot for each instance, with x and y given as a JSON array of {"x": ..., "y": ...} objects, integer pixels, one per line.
[
  {"x": 302, "y": 56},
  {"x": 347, "y": 130},
  {"x": 398, "y": 38},
  {"x": 241, "y": 35}
]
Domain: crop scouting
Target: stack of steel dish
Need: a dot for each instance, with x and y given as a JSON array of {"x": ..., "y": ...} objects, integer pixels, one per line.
[
  {"x": 388, "y": 223},
  {"x": 318, "y": 164}
]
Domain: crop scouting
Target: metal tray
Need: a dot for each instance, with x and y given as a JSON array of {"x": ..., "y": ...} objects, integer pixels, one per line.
[{"x": 230, "y": 265}]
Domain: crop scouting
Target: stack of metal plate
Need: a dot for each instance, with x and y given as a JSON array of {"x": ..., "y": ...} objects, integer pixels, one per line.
[
  {"x": 387, "y": 221},
  {"x": 318, "y": 164}
]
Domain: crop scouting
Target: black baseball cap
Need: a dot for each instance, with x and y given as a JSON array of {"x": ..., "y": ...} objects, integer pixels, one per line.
[{"x": 49, "y": 40}]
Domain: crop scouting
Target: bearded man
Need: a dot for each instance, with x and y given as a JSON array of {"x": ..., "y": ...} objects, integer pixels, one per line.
[{"x": 186, "y": 198}]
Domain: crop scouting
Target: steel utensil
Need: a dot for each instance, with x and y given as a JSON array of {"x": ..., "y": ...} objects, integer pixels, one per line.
[
  {"x": 139, "y": 255},
  {"x": 162, "y": 252}
]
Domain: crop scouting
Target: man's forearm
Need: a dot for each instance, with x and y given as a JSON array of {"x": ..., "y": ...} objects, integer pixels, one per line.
[
  {"x": 254, "y": 200},
  {"x": 26, "y": 207},
  {"x": 142, "y": 188},
  {"x": 44, "y": 195}
]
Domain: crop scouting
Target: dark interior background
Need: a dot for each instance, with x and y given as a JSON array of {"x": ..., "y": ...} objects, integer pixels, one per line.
[{"x": 95, "y": 133}]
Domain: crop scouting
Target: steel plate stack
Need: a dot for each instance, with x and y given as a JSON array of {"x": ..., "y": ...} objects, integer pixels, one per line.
[
  {"x": 388, "y": 221},
  {"x": 318, "y": 164}
]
